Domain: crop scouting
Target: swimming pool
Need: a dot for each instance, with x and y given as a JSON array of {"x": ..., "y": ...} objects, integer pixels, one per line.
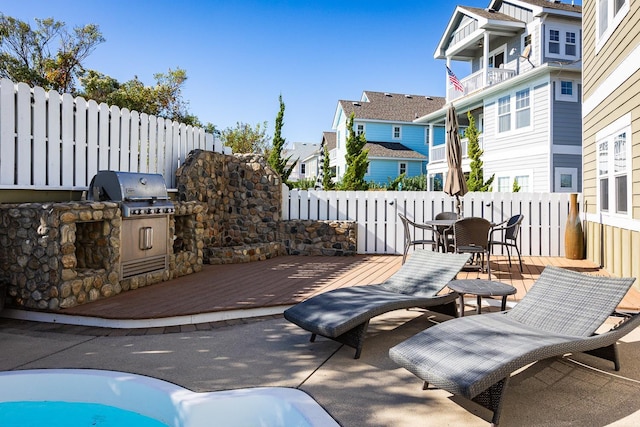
[{"x": 168, "y": 403}]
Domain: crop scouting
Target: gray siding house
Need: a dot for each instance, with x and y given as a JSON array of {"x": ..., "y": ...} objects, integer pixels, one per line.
[{"x": 523, "y": 91}]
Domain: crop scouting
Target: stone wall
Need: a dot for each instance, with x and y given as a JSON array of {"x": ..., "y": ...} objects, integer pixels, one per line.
[
  {"x": 328, "y": 238},
  {"x": 57, "y": 255},
  {"x": 244, "y": 219}
]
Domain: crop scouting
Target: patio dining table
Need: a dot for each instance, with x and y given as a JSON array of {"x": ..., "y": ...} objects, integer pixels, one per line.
[{"x": 440, "y": 227}]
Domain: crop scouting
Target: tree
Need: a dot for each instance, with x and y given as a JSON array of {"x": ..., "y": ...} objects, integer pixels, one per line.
[
  {"x": 356, "y": 158},
  {"x": 246, "y": 139},
  {"x": 162, "y": 100},
  {"x": 475, "y": 180},
  {"x": 275, "y": 159},
  {"x": 327, "y": 175},
  {"x": 48, "y": 56}
]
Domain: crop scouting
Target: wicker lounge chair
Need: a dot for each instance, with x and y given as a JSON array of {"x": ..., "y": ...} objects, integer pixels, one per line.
[
  {"x": 474, "y": 356},
  {"x": 343, "y": 314}
]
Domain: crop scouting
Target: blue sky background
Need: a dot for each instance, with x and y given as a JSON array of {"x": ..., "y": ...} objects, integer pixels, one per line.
[{"x": 240, "y": 55}]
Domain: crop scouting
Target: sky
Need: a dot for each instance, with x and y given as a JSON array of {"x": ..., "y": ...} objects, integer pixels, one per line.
[{"x": 241, "y": 55}]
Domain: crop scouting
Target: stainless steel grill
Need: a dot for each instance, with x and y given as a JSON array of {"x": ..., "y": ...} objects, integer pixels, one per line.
[
  {"x": 145, "y": 207},
  {"x": 141, "y": 194}
]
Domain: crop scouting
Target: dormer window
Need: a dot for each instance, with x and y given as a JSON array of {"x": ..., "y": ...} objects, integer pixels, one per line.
[{"x": 562, "y": 42}]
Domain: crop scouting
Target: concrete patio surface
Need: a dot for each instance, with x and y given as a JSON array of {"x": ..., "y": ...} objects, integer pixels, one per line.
[{"x": 372, "y": 391}]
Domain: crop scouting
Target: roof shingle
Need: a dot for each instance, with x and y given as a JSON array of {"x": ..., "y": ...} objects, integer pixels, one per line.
[{"x": 392, "y": 106}]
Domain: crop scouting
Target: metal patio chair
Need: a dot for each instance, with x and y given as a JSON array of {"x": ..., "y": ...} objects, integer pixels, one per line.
[
  {"x": 409, "y": 241},
  {"x": 509, "y": 231}
]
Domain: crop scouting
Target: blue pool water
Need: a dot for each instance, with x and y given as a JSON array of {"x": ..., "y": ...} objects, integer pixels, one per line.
[{"x": 66, "y": 414}]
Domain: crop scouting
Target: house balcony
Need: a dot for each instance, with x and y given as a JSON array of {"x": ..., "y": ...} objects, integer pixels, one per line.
[
  {"x": 476, "y": 81},
  {"x": 437, "y": 154}
]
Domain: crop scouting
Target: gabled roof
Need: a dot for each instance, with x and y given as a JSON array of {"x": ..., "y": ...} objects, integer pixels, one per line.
[
  {"x": 329, "y": 140},
  {"x": 392, "y": 107},
  {"x": 487, "y": 14},
  {"x": 555, "y": 5},
  {"x": 493, "y": 20},
  {"x": 392, "y": 149},
  {"x": 485, "y": 20}
]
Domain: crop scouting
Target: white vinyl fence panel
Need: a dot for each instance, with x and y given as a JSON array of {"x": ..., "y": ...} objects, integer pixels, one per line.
[
  {"x": 57, "y": 142},
  {"x": 380, "y": 230}
]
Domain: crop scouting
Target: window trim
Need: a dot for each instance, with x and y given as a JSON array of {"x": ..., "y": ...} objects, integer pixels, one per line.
[
  {"x": 609, "y": 133},
  {"x": 562, "y": 41},
  {"x": 500, "y": 115},
  {"x": 558, "y": 91},
  {"x": 516, "y": 110},
  {"x": 511, "y": 176},
  {"x": 512, "y": 95},
  {"x": 364, "y": 129},
  {"x": 612, "y": 23},
  {"x": 393, "y": 132},
  {"x": 406, "y": 168},
  {"x": 557, "y": 175}
]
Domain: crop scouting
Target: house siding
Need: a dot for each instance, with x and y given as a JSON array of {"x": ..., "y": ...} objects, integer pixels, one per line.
[
  {"x": 520, "y": 152},
  {"x": 567, "y": 119},
  {"x": 385, "y": 170},
  {"x": 525, "y": 15},
  {"x": 612, "y": 242}
]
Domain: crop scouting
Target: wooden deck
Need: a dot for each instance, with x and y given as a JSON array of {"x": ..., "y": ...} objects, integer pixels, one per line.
[{"x": 284, "y": 281}]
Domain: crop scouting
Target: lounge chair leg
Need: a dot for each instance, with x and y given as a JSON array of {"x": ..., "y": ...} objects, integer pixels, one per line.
[
  {"x": 491, "y": 399},
  {"x": 313, "y": 338},
  {"x": 354, "y": 338},
  {"x": 609, "y": 352}
]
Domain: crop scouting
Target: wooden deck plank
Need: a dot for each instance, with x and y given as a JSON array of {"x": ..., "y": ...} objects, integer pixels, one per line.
[{"x": 287, "y": 280}]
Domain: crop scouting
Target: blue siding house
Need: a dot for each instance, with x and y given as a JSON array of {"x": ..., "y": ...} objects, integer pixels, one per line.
[{"x": 395, "y": 142}]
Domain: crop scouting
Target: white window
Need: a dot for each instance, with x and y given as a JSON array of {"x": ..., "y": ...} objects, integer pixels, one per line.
[
  {"x": 303, "y": 168},
  {"x": 397, "y": 132},
  {"x": 504, "y": 114},
  {"x": 402, "y": 168},
  {"x": 614, "y": 167},
  {"x": 562, "y": 42},
  {"x": 523, "y": 183},
  {"x": 609, "y": 14},
  {"x": 504, "y": 184},
  {"x": 566, "y": 180},
  {"x": 566, "y": 90},
  {"x": 523, "y": 109},
  {"x": 570, "y": 44},
  {"x": 554, "y": 42},
  {"x": 427, "y": 135},
  {"x": 359, "y": 129}
]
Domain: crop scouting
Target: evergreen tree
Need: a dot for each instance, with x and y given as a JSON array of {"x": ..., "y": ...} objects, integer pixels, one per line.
[
  {"x": 327, "y": 182},
  {"x": 275, "y": 159},
  {"x": 357, "y": 160},
  {"x": 475, "y": 181}
]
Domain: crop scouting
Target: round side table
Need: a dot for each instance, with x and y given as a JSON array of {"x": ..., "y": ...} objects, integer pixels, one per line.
[{"x": 481, "y": 288}]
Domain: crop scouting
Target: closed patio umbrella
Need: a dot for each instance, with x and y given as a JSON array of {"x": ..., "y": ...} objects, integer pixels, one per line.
[{"x": 455, "y": 184}]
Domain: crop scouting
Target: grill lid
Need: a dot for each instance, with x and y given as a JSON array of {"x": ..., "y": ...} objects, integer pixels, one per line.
[
  {"x": 139, "y": 193},
  {"x": 115, "y": 186}
]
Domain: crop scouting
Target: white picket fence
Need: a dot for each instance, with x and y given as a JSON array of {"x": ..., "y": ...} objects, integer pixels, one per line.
[
  {"x": 57, "y": 142},
  {"x": 380, "y": 230}
]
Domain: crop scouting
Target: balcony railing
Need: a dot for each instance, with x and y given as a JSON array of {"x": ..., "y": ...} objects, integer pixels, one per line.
[
  {"x": 437, "y": 153},
  {"x": 475, "y": 81}
]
